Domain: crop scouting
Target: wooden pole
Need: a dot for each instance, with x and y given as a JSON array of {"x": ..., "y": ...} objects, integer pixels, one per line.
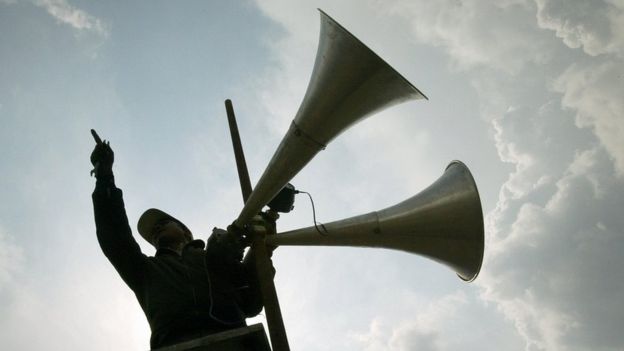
[
  {"x": 277, "y": 331},
  {"x": 239, "y": 155}
]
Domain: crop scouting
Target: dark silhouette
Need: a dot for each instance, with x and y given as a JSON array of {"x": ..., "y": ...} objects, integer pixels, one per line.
[{"x": 188, "y": 289}]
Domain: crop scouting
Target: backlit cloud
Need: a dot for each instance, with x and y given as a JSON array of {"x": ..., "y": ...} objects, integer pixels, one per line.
[
  {"x": 595, "y": 26},
  {"x": 424, "y": 331},
  {"x": 553, "y": 267},
  {"x": 476, "y": 34},
  {"x": 594, "y": 92},
  {"x": 65, "y": 13}
]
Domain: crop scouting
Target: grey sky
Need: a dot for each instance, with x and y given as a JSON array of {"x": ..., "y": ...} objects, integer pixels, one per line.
[{"x": 526, "y": 92}]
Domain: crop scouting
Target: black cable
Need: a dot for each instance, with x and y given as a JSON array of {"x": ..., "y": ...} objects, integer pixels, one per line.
[{"x": 314, "y": 214}]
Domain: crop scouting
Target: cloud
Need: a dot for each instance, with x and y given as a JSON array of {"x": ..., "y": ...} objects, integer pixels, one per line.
[
  {"x": 555, "y": 234},
  {"x": 555, "y": 270},
  {"x": 499, "y": 35},
  {"x": 487, "y": 35},
  {"x": 65, "y": 13},
  {"x": 597, "y": 26},
  {"x": 595, "y": 92},
  {"x": 593, "y": 88},
  {"x": 424, "y": 332},
  {"x": 379, "y": 338},
  {"x": 554, "y": 237},
  {"x": 427, "y": 329}
]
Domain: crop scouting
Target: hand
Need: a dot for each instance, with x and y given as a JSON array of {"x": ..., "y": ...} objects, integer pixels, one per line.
[
  {"x": 102, "y": 157},
  {"x": 261, "y": 225},
  {"x": 227, "y": 245}
]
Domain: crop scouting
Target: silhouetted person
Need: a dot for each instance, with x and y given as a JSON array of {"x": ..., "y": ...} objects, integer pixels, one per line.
[{"x": 187, "y": 289}]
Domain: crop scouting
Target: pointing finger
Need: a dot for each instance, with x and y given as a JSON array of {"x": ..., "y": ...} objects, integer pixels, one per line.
[{"x": 96, "y": 137}]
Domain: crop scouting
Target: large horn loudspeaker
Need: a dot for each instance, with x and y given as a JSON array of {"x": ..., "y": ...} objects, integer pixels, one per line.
[
  {"x": 349, "y": 82},
  {"x": 443, "y": 222}
]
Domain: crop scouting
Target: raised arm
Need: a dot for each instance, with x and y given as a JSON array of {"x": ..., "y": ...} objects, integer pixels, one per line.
[{"x": 111, "y": 223}]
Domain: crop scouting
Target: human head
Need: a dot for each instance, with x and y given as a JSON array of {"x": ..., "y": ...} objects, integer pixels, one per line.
[
  {"x": 169, "y": 233},
  {"x": 155, "y": 223}
]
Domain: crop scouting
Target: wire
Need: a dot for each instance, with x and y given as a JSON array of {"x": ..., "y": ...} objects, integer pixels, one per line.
[{"x": 314, "y": 214}]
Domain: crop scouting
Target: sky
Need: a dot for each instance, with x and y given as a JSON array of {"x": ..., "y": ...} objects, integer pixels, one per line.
[{"x": 527, "y": 93}]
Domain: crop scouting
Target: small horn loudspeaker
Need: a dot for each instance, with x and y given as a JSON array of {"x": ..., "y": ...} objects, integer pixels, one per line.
[{"x": 444, "y": 222}]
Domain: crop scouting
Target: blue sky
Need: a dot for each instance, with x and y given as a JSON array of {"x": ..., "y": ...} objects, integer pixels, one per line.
[{"x": 526, "y": 92}]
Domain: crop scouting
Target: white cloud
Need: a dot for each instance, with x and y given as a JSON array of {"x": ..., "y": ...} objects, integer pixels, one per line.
[
  {"x": 537, "y": 140},
  {"x": 555, "y": 235},
  {"x": 408, "y": 337},
  {"x": 555, "y": 272},
  {"x": 420, "y": 332},
  {"x": 438, "y": 325},
  {"x": 499, "y": 35},
  {"x": 424, "y": 332},
  {"x": 65, "y": 13},
  {"x": 592, "y": 88},
  {"x": 595, "y": 92},
  {"x": 595, "y": 26}
]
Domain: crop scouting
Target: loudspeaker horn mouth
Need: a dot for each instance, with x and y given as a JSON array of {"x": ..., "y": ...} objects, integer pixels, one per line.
[
  {"x": 346, "y": 31},
  {"x": 481, "y": 242}
]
